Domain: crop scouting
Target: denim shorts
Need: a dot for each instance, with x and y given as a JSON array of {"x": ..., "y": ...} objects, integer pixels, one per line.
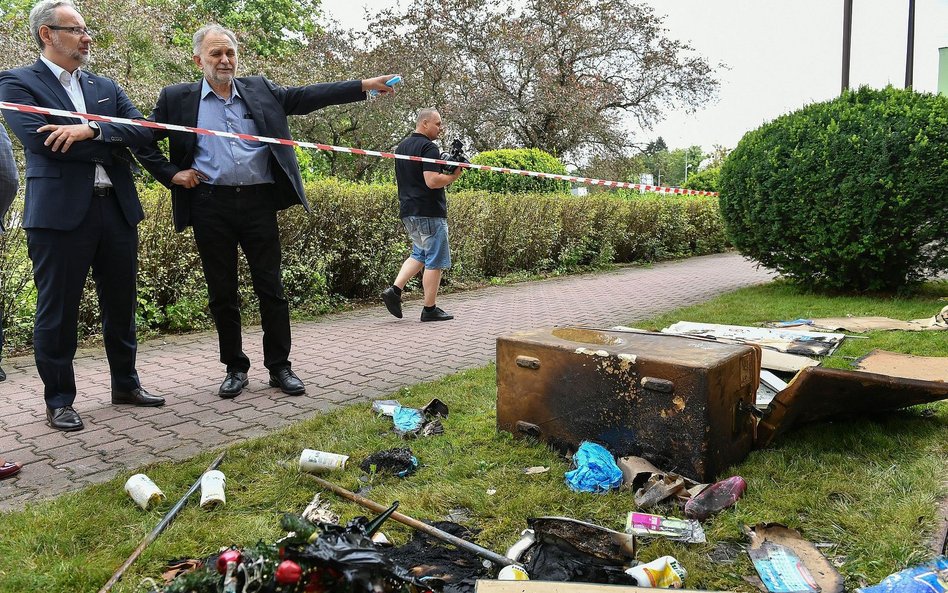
[{"x": 429, "y": 237}]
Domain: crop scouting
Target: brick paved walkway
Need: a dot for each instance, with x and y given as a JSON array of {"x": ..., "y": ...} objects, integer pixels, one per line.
[{"x": 343, "y": 358}]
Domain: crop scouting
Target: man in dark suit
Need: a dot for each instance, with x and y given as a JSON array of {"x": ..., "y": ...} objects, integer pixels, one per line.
[
  {"x": 230, "y": 190},
  {"x": 81, "y": 207},
  {"x": 9, "y": 182}
]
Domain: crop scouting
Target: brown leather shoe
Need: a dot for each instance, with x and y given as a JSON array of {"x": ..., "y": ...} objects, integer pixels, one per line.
[
  {"x": 9, "y": 469},
  {"x": 137, "y": 397},
  {"x": 64, "y": 418}
]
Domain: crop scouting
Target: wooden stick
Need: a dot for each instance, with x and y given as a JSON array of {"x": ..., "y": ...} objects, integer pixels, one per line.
[{"x": 418, "y": 525}]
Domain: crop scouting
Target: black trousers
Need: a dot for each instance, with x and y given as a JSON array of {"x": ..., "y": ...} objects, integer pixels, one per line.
[
  {"x": 225, "y": 218},
  {"x": 105, "y": 243}
]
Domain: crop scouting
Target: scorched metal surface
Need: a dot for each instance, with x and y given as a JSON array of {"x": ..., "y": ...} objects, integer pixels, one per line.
[{"x": 682, "y": 403}]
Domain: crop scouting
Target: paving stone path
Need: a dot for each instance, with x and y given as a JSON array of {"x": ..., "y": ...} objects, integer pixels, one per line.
[{"x": 343, "y": 358}]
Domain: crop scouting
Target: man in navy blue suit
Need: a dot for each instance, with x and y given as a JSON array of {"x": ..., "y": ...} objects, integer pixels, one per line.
[
  {"x": 230, "y": 190},
  {"x": 81, "y": 207},
  {"x": 8, "y": 186}
]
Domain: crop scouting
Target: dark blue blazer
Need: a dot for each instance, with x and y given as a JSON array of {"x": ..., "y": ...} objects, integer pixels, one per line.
[
  {"x": 59, "y": 185},
  {"x": 269, "y": 105}
]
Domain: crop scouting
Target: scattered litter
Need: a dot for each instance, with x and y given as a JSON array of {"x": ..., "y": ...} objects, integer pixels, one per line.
[
  {"x": 570, "y": 550},
  {"x": 785, "y": 363},
  {"x": 636, "y": 471},
  {"x": 385, "y": 407},
  {"x": 788, "y": 563},
  {"x": 539, "y": 469},
  {"x": 596, "y": 469},
  {"x": 435, "y": 408},
  {"x": 407, "y": 419},
  {"x": 441, "y": 566},
  {"x": 663, "y": 573},
  {"x": 789, "y": 341},
  {"x": 931, "y": 577},
  {"x": 410, "y": 422},
  {"x": 212, "y": 489},
  {"x": 512, "y": 573},
  {"x": 491, "y": 491},
  {"x": 318, "y": 511},
  {"x": 866, "y": 324},
  {"x": 527, "y": 539},
  {"x": 143, "y": 491},
  {"x": 653, "y": 486},
  {"x": 398, "y": 461},
  {"x": 314, "y": 462},
  {"x": 770, "y": 386},
  {"x": 380, "y": 539},
  {"x": 681, "y": 530},
  {"x": 658, "y": 488},
  {"x": 715, "y": 498},
  {"x": 780, "y": 570},
  {"x": 906, "y": 366}
]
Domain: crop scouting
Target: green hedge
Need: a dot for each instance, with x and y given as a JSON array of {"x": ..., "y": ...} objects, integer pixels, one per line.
[
  {"x": 847, "y": 195},
  {"x": 524, "y": 159},
  {"x": 353, "y": 244}
]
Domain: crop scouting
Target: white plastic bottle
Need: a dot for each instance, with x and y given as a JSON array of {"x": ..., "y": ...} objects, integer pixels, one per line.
[{"x": 664, "y": 572}]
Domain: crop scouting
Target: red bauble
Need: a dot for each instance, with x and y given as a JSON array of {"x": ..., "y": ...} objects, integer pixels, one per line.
[
  {"x": 288, "y": 573},
  {"x": 228, "y": 556}
]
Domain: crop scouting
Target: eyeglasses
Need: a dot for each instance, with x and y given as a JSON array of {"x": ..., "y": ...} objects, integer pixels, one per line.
[{"x": 80, "y": 31}]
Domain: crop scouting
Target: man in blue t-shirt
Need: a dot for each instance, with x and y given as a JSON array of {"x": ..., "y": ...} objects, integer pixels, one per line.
[{"x": 423, "y": 209}]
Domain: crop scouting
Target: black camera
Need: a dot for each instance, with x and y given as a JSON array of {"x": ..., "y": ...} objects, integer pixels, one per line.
[{"x": 456, "y": 155}]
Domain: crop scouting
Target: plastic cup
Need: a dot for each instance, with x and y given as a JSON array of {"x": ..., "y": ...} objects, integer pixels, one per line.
[
  {"x": 143, "y": 491},
  {"x": 315, "y": 462},
  {"x": 212, "y": 489}
]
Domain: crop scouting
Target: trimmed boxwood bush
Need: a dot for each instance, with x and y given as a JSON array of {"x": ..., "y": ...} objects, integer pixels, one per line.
[
  {"x": 525, "y": 159},
  {"x": 845, "y": 195}
]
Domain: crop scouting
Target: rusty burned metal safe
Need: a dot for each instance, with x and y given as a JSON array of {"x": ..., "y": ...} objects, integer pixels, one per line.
[{"x": 685, "y": 404}]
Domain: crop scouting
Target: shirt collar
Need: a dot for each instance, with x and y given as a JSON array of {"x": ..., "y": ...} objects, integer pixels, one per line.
[
  {"x": 206, "y": 88},
  {"x": 58, "y": 70}
]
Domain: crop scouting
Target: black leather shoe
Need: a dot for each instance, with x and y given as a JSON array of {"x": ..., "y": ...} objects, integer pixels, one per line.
[
  {"x": 437, "y": 314},
  {"x": 392, "y": 301},
  {"x": 137, "y": 397},
  {"x": 3, "y": 376},
  {"x": 287, "y": 381},
  {"x": 233, "y": 384},
  {"x": 65, "y": 419}
]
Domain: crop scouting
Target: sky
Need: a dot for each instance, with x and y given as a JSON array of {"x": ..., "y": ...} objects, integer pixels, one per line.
[{"x": 778, "y": 56}]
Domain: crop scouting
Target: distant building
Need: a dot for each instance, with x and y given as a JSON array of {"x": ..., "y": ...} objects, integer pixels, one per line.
[{"x": 579, "y": 190}]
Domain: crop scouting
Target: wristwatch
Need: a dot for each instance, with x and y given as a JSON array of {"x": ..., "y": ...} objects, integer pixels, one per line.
[{"x": 96, "y": 130}]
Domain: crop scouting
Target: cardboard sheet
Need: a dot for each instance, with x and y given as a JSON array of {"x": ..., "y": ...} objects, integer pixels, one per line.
[{"x": 906, "y": 366}]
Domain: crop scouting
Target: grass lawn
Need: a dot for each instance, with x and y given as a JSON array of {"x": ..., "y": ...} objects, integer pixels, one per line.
[{"x": 868, "y": 487}]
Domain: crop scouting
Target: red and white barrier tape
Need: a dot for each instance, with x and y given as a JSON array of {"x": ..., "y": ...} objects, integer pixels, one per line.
[{"x": 328, "y": 147}]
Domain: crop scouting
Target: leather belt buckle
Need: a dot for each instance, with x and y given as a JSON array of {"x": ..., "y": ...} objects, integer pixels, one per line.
[{"x": 101, "y": 192}]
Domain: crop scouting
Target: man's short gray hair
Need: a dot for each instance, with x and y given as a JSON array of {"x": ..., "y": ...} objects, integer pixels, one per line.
[
  {"x": 425, "y": 114},
  {"x": 44, "y": 13},
  {"x": 201, "y": 33}
]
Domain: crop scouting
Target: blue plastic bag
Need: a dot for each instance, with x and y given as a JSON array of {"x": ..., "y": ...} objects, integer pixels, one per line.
[
  {"x": 407, "y": 419},
  {"x": 931, "y": 577},
  {"x": 596, "y": 470}
]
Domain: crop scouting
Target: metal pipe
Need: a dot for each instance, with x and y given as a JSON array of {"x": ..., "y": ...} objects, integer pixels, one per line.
[
  {"x": 416, "y": 524},
  {"x": 165, "y": 521},
  {"x": 847, "y": 41}
]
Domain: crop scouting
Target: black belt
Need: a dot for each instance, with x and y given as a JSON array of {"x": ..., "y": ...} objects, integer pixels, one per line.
[
  {"x": 234, "y": 190},
  {"x": 103, "y": 191}
]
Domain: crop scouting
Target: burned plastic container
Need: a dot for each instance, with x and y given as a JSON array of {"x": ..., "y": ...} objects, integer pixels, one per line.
[{"x": 715, "y": 498}]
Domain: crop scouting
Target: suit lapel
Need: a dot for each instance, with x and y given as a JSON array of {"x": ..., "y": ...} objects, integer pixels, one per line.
[
  {"x": 90, "y": 92},
  {"x": 254, "y": 106},
  {"x": 190, "y": 103},
  {"x": 52, "y": 83}
]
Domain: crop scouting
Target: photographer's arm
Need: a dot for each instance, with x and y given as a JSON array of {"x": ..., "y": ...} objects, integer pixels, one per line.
[{"x": 438, "y": 180}]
